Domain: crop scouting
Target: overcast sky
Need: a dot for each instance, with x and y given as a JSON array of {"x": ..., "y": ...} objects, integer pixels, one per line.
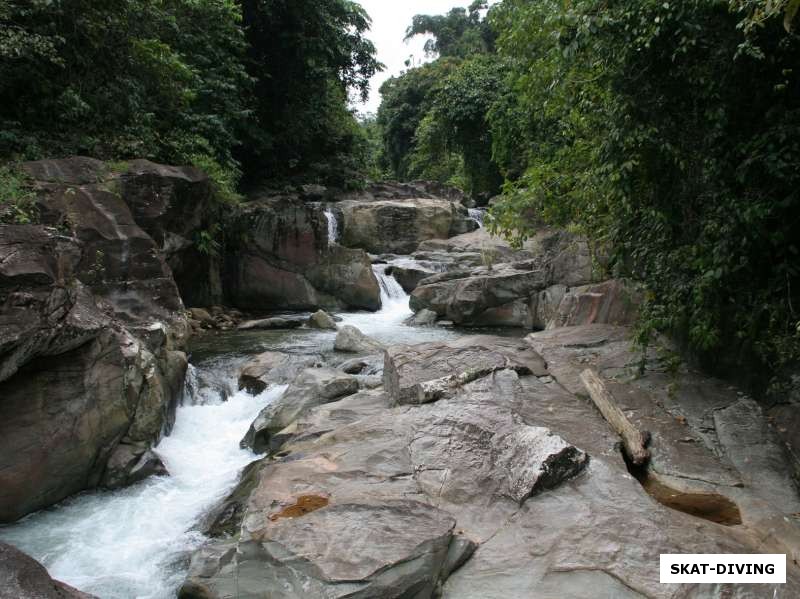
[{"x": 390, "y": 19}]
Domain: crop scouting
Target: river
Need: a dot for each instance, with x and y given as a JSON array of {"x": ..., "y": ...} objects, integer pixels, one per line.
[{"x": 135, "y": 543}]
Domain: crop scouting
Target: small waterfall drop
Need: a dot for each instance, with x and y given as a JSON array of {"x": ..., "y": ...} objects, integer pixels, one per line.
[
  {"x": 333, "y": 227},
  {"x": 478, "y": 215},
  {"x": 391, "y": 291}
]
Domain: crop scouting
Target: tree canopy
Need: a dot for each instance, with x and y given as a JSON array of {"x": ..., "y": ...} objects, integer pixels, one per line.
[{"x": 227, "y": 84}]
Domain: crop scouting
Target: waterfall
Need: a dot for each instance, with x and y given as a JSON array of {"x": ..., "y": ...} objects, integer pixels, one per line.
[
  {"x": 478, "y": 215},
  {"x": 391, "y": 291},
  {"x": 333, "y": 227},
  {"x": 133, "y": 542}
]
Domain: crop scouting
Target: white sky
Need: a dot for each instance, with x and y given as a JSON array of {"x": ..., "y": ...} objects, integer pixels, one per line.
[{"x": 390, "y": 19}]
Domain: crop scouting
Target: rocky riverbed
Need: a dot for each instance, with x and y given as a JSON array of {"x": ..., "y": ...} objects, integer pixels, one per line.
[{"x": 381, "y": 400}]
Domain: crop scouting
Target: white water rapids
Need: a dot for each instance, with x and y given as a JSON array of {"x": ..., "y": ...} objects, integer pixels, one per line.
[{"x": 134, "y": 543}]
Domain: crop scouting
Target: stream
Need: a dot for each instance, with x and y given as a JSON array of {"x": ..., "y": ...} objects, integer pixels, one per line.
[{"x": 135, "y": 542}]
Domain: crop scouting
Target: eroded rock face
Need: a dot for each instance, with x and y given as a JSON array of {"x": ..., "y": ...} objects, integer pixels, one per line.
[
  {"x": 412, "y": 371},
  {"x": 274, "y": 368},
  {"x": 486, "y": 282},
  {"x": 399, "y": 225},
  {"x": 175, "y": 205},
  {"x": 279, "y": 258},
  {"x": 612, "y": 302},
  {"x": 22, "y": 577},
  {"x": 312, "y": 387},
  {"x": 465, "y": 296},
  {"x": 374, "y": 504},
  {"x": 91, "y": 328}
]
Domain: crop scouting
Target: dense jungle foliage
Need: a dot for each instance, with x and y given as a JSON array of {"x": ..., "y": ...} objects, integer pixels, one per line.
[
  {"x": 259, "y": 86},
  {"x": 667, "y": 131}
]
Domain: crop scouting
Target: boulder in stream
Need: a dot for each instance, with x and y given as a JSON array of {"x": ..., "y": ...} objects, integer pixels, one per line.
[
  {"x": 351, "y": 340},
  {"x": 322, "y": 320},
  {"x": 22, "y": 577},
  {"x": 312, "y": 387},
  {"x": 274, "y": 368}
]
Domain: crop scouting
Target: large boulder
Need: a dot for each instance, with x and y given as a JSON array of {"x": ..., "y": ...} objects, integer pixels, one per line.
[
  {"x": 519, "y": 287},
  {"x": 463, "y": 297},
  {"x": 611, "y": 302},
  {"x": 273, "y": 368},
  {"x": 399, "y": 225},
  {"x": 279, "y": 257},
  {"x": 177, "y": 207},
  {"x": 350, "y": 339},
  {"x": 410, "y": 370},
  {"x": 22, "y": 577},
  {"x": 312, "y": 387},
  {"x": 91, "y": 331}
]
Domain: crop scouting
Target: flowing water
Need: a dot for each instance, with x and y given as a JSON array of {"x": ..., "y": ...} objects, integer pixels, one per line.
[
  {"x": 134, "y": 543},
  {"x": 478, "y": 215},
  {"x": 333, "y": 227}
]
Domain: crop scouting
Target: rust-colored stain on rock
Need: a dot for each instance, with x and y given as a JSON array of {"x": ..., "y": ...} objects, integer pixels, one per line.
[{"x": 305, "y": 504}]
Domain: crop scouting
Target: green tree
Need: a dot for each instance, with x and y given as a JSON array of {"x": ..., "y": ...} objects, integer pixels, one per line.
[
  {"x": 305, "y": 56},
  {"x": 670, "y": 130},
  {"x": 459, "y": 33}
]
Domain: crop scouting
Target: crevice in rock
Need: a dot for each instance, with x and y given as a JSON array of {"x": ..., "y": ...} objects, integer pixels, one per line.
[{"x": 708, "y": 506}]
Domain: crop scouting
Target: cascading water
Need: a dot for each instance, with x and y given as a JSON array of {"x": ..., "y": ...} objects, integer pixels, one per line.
[
  {"x": 478, "y": 215},
  {"x": 134, "y": 542},
  {"x": 333, "y": 227},
  {"x": 388, "y": 325}
]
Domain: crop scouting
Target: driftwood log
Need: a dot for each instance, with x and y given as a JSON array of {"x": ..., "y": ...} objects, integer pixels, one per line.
[{"x": 633, "y": 440}]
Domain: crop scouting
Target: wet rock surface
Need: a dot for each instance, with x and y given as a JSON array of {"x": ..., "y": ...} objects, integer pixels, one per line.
[
  {"x": 312, "y": 387},
  {"x": 351, "y": 340},
  {"x": 22, "y": 577}
]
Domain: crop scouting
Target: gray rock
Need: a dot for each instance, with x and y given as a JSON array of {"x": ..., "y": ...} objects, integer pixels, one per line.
[
  {"x": 279, "y": 258},
  {"x": 131, "y": 463},
  {"x": 274, "y": 368},
  {"x": 422, "y": 373},
  {"x": 506, "y": 458},
  {"x": 462, "y": 297},
  {"x": 267, "y": 324},
  {"x": 322, "y": 320},
  {"x": 396, "y": 548},
  {"x": 423, "y": 318},
  {"x": 612, "y": 302},
  {"x": 398, "y": 225},
  {"x": 349, "y": 339},
  {"x": 22, "y": 577},
  {"x": 312, "y": 387},
  {"x": 366, "y": 365},
  {"x": 409, "y": 276}
]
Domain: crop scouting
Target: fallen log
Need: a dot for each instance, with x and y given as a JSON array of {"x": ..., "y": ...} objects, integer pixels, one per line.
[{"x": 633, "y": 440}]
